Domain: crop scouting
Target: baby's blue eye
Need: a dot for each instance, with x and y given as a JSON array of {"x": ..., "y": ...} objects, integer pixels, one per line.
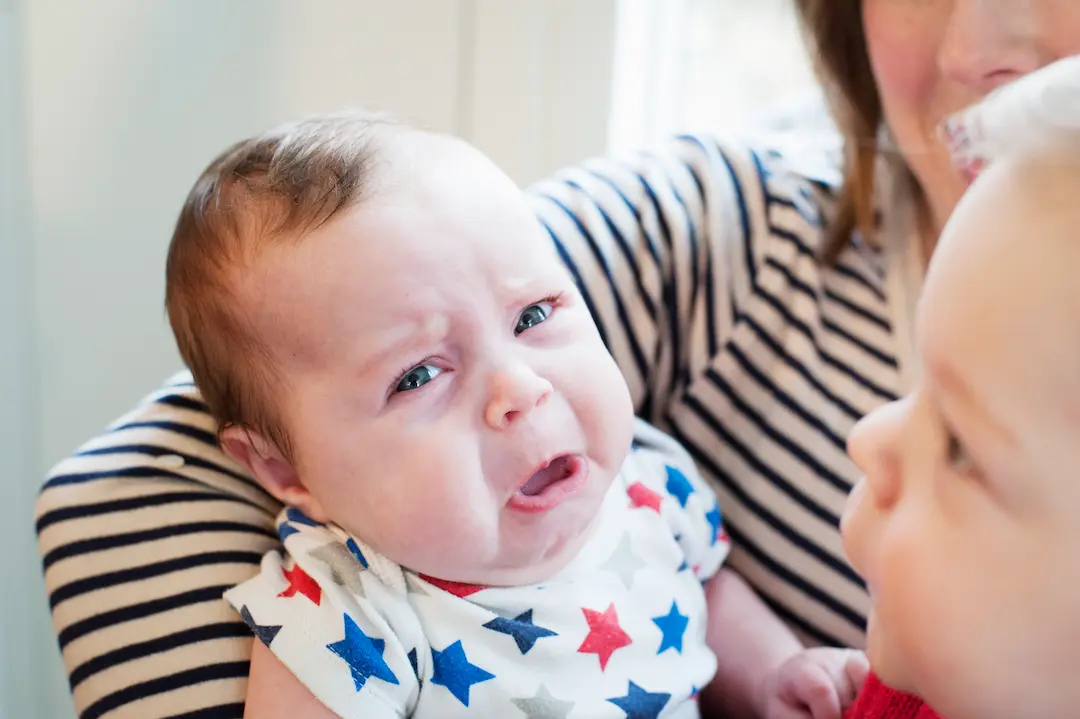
[
  {"x": 532, "y": 316},
  {"x": 417, "y": 377}
]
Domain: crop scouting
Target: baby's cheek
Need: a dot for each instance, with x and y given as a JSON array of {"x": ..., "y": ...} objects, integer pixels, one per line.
[
  {"x": 439, "y": 533},
  {"x": 602, "y": 403},
  {"x": 420, "y": 496},
  {"x": 855, "y": 529},
  {"x": 922, "y": 600}
]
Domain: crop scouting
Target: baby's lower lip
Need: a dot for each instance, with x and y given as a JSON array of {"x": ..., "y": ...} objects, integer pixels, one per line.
[{"x": 556, "y": 492}]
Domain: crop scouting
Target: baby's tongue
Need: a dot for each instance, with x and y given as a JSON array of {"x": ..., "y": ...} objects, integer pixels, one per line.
[{"x": 545, "y": 477}]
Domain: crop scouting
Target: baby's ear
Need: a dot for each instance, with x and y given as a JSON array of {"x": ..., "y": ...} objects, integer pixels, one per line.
[{"x": 265, "y": 461}]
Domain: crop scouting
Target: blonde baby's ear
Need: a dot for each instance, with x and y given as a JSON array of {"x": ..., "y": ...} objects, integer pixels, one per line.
[{"x": 271, "y": 468}]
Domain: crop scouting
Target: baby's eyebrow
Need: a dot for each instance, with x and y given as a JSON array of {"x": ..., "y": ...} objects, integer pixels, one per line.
[
  {"x": 516, "y": 290},
  {"x": 405, "y": 337},
  {"x": 955, "y": 388}
]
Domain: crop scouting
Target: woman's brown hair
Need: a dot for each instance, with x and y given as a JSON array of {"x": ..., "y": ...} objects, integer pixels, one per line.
[{"x": 837, "y": 42}]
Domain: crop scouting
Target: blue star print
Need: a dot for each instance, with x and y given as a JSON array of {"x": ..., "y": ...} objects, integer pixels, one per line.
[
  {"x": 640, "y": 704},
  {"x": 412, "y": 662},
  {"x": 678, "y": 486},
  {"x": 713, "y": 517},
  {"x": 264, "y": 632},
  {"x": 673, "y": 625},
  {"x": 453, "y": 671},
  {"x": 363, "y": 654},
  {"x": 522, "y": 629},
  {"x": 295, "y": 515},
  {"x": 352, "y": 546}
]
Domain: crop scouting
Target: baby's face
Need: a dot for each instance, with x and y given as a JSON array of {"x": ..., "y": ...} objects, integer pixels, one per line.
[
  {"x": 967, "y": 524},
  {"x": 447, "y": 393}
]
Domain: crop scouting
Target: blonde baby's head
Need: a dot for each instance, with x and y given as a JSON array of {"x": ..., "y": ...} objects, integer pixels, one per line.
[
  {"x": 966, "y": 526},
  {"x": 391, "y": 343}
]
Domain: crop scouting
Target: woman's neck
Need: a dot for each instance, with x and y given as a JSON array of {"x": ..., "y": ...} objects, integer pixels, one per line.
[{"x": 929, "y": 222}]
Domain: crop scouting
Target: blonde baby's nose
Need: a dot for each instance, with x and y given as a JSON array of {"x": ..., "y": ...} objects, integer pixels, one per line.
[{"x": 874, "y": 446}]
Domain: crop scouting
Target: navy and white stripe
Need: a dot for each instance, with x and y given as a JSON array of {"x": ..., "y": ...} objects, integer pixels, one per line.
[
  {"x": 698, "y": 262},
  {"x": 701, "y": 267}
]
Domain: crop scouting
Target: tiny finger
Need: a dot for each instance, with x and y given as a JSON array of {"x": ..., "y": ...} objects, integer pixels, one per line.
[
  {"x": 818, "y": 692},
  {"x": 856, "y": 669}
]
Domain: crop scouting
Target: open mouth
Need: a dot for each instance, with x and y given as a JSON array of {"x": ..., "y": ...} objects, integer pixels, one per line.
[
  {"x": 556, "y": 470},
  {"x": 551, "y": 483}
]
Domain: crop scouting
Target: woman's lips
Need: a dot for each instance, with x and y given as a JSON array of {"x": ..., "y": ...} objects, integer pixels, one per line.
[{"x": 551, "y": 483}]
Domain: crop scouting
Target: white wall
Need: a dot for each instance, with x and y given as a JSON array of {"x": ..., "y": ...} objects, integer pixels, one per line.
[
  {"x": 538, "y": 78},
  {"x": 108, "y": 111},
  {"x": 128, "y": 101},
  {"x": 30, "y": 682}
]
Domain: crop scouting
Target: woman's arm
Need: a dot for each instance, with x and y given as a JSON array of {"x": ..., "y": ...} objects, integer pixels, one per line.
[
  {"x": 750, "y": 644},
  {"x": 763, "y": 671},
  {"x": 141, "y": 532}
]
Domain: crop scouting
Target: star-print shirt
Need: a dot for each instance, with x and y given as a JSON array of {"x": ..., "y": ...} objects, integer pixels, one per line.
[{"x": 618, "y": 632}]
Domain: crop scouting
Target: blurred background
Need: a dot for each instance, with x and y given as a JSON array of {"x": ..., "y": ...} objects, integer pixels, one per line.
[{"x": 110, "y": 108}]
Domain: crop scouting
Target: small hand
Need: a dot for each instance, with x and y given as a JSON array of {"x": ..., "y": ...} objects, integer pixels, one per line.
[{"x": 815, "y": 684}]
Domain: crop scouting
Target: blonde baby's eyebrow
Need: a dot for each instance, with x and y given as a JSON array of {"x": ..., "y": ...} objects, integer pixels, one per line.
[{"x": 955, "y": 388}]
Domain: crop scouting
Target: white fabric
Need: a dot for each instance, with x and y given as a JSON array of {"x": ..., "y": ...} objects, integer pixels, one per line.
[{"x": 618, "y": 632}]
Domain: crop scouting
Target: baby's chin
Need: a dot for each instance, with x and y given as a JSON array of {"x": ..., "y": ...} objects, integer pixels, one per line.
[
  {"x": 541, "y": 562},
  {"x": 889, "y": 668},
  {"x": 540, "y": 552},
  {"x": 520, "y": 569}
]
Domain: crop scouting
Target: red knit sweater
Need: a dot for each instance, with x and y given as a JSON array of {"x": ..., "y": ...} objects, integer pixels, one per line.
[{"x": 877, "y": 701}]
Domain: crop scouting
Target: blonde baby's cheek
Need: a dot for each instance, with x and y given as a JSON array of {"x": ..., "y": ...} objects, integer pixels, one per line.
[{"x": 854, "y": 531}]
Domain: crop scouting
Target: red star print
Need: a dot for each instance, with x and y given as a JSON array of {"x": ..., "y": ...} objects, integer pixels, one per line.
[
  {"x": 722, "y": 536},
  {"x": 458, "y": 589},
  {"x": 299, "y": 581},
  {"x": 605, "y": 635},
  {"x": 642, "y": 496}
]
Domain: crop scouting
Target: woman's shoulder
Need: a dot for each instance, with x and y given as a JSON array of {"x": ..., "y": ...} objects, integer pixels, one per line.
[
  {"x": 775, "y": 184},
  {"x": 140, "y": 531},
  {"x": 169, "y": 435},
  {"x": 811, "y": 154}
]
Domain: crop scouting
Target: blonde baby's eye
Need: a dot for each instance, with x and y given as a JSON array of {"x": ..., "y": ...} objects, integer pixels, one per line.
[{"x": 957, "y": 455}]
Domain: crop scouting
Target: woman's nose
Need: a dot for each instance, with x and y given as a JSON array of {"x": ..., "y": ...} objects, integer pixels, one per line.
[
  {"x": 513, "y": 393},
  {"x": 988, "y": 43},
  {"x": 874, "y": 446}
]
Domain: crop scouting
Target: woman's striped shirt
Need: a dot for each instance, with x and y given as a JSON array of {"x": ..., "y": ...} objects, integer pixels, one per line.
[{"x": 699, "y": 262}]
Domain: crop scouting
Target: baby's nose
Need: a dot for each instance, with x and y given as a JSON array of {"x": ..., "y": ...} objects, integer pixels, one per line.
[
  {"x": 874, "y": 446},
  {"x": 513, "y": 394}
]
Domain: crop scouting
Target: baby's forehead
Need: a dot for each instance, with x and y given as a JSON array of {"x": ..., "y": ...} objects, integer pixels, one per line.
[
  {"x": 1027, "y": 205},
  {"x": 1002, "y": 300}
]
